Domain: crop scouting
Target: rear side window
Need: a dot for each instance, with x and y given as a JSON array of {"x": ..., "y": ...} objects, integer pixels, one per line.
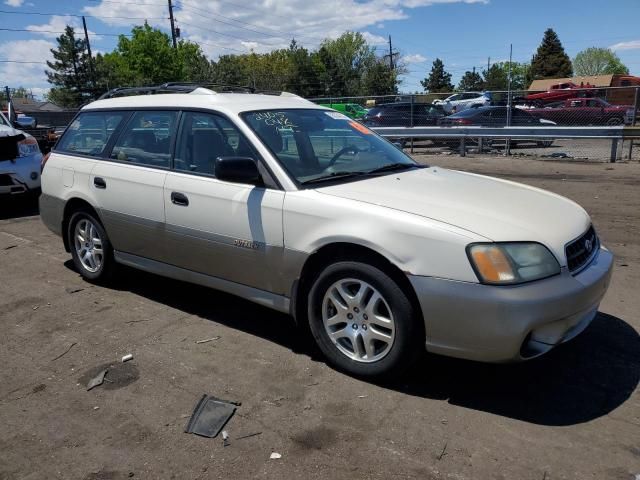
[
  {"x": 146, "y": 139},
  {"x": 90, "y": 132}
]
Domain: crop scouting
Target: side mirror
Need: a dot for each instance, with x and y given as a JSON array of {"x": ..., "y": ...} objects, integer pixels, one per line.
[{"x": 238, "y": 170}]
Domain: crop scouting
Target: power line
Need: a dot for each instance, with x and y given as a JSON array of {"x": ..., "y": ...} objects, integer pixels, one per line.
[
  {"x": 31, "y": 30},
  {"x": 78, "y": 16}
]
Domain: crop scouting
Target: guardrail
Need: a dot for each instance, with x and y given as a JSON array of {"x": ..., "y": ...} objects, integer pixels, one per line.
[{"x": 614, "y": 133}]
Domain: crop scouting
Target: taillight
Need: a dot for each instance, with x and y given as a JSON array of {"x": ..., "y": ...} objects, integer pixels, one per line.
[
  {"x": 462, "y": 121},
  {"x": 44, "y": 161}
]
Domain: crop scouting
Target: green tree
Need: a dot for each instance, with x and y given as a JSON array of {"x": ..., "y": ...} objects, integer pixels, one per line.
[
  {"x": 70, "y": 71},
  {"x": 438, "y": 81},
  {"x": 497, "y": 77},
  {"x": 550, "y": 60},
  {"x": 348, "y": 57},
  {"x": 598, "y": 61},
  {"x": 380, "y": 79},
  {"x": 471, "y": 82}
]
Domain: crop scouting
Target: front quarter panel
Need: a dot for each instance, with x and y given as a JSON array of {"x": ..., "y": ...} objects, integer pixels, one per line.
[{"x": 416, "y": 245}]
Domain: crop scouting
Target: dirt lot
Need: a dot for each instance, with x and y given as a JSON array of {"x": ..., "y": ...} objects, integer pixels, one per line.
[{"x": 574, "y": 414}]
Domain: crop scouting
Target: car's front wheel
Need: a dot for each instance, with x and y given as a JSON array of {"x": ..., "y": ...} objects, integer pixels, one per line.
[
  {"x": 90, "y": 247},
  {"x": 362, "y": 320}
]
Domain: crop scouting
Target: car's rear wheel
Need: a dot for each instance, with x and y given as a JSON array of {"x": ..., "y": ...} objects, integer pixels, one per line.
[
  {"x": 615, "y": 121},
  {"x": 90, "y": 246},
  {"x": 362, "y": 320}
]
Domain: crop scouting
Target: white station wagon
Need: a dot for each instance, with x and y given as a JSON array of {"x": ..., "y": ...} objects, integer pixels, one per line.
[{"x": 301, "y": 209}]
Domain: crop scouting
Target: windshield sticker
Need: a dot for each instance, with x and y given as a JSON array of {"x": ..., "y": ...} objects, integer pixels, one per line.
[
  {"x": 336, "y": 115},
  {"x": 275, "y": 119},
  {"x": 361, "y": 128}
]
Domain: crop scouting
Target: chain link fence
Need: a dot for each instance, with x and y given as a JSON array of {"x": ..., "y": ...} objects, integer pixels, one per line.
[{"x": 562, "y": 105}]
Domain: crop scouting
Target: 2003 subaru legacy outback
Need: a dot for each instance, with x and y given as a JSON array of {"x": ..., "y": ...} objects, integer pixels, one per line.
[{"x": 299, "y": 208}]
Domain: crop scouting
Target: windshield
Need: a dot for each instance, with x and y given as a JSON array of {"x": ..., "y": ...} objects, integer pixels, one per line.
[{"x": 313, "y": 144}]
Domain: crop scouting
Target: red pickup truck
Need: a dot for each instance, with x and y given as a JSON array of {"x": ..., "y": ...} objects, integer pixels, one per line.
[
  {"x": 585, "y": 111},
  {"x": 559, "y": 92}
]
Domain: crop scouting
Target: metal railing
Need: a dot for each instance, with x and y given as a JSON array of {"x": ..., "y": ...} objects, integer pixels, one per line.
[{"x": 465, "y": 135}]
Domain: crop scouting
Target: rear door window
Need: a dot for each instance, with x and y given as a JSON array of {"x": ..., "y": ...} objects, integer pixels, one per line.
[
  {"x": 146, "y": 139},
  {"x": 90, "y": 132}
]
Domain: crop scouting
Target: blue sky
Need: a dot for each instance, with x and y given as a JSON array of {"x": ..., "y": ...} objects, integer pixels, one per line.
[{"x": 463, "y": 33}]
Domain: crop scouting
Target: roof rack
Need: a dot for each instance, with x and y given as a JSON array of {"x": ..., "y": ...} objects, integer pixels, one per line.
[{"x": 176, "y": 87}]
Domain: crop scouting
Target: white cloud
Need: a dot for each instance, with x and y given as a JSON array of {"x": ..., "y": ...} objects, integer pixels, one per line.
[
  {"x": 57, "y": 24},
  {"x": 374, "y": 39},
  {"x": 414, "y": 58},
  {"x": 250, "y": 46},
  {"x": 28, "y": 75},
  {"x": 268, "y": 24},
  {"x": 632, "y": 45},
  {"x": 14, "y": 3}
]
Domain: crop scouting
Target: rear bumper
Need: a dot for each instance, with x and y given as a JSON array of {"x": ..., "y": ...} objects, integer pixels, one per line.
[
  {"x": 504, "y": 324},
  {"x": 52, "y": 213}
]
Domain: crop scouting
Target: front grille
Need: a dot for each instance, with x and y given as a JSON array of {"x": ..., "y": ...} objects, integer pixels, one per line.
[{"x": 581, "y": 251}]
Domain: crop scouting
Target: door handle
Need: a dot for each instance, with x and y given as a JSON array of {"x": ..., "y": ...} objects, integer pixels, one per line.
[
  {"x": 99, "y": 182},
  {"x": 179, "y": 199}
]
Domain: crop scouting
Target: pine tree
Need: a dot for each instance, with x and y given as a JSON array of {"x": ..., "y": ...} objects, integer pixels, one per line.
[
  {"x": 471, "y": 82},
  {"x": 550, "y": 61},
  {"x": 70, "y": 72},
  {"x": 438, "y": 81}
]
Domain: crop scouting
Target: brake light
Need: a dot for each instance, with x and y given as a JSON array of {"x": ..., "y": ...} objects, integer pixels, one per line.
[
  {"x": 462, "y": 121},
  {"x": 44, "y": 161}
]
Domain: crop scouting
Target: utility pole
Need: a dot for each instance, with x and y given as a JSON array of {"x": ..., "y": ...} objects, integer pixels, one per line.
[
  {"x": 10, "y": 111},
  {"x": 86, "y": 39},
  {"x": 488, "y": 64},
  {"x": 390, "y": 54},
  {"x": 173, "y": 27}
]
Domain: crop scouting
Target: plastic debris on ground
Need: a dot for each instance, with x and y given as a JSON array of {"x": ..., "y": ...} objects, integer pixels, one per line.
[
  {"x": 210, "y": 415},
  {"x": 97, "y": 380},
  {"x": 275, "y": 456}
]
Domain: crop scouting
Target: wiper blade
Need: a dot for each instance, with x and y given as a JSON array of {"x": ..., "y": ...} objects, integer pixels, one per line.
[
  {"x": 333, "y": 176},
  {"x": 394, "y": 166}
]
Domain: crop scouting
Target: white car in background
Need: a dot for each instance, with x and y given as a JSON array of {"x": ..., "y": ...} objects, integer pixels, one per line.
[
  {"x": 20, "y": 160},
  {"x": 304, "y": 210},
  {"x": 461, "y": 101}
]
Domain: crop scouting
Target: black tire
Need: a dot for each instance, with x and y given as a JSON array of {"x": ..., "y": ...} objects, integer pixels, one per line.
[
  {"x": 614, "y": 121},
  {"x": 107, "y": 267},
  {"x": 408, "y": 340},
  {"x": 545, "y": 143}
]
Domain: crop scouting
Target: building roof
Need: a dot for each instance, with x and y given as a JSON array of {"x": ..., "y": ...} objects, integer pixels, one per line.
[
  {"x": 28, "y": 105},
  {"x": 202, "y": 97},
  {"x": 594, "y": 80}
]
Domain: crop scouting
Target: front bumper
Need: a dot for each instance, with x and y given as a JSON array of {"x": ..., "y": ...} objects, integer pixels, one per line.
[
  {"x": 17, "y": 176},
  {"x": 510, "y": 323}
]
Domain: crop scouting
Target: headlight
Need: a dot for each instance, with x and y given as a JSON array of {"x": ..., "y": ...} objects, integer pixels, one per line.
[
  {"x": 511, "y": 263},
  {"x": 28, "y": 146}
]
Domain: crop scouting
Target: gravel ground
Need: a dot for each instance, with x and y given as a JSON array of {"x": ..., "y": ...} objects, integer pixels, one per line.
[{"x": 573, "y": 414}]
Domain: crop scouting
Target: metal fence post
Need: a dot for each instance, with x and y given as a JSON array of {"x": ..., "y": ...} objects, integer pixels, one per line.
[
  {"x": 411, "y": 121},
  {"x": 614, "y": 150},
  {"x": 633, "y": 120},
  {"x": 463, "y": 147}
]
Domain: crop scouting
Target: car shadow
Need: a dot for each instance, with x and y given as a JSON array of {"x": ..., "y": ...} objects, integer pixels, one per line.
[
  {"x": 582, "y": 380},
  {"x": 18, "y": 206}
]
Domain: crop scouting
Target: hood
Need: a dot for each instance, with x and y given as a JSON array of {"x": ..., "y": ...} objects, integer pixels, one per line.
[
  {"x": 6, "y": 131},
  {"x": 498, "y": 210}
]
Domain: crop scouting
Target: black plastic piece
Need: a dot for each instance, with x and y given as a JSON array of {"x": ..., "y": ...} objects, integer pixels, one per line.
[{"x": 210, "y": 416}]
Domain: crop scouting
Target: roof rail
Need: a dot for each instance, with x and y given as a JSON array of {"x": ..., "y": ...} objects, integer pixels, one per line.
[
  {"x": 174, "y": 87},
  {"x": 189, "y": 87}
]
